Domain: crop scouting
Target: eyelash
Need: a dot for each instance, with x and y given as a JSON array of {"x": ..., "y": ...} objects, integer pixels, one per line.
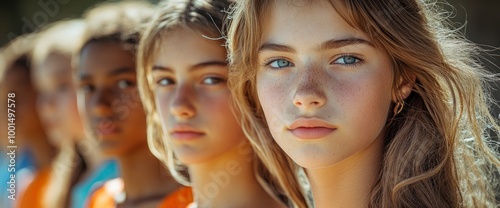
[
  {"x": 158, "y": 82},
  {"x": 268, "y": 62},
  {"x": 357, "y": 57},
  {"x": 127, "y": 82},
  {"x": 89, "y": 88},
  {"x": 216, "y": 80}
]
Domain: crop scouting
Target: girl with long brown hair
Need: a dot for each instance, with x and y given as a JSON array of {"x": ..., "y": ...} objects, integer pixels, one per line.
[{"x": 379, "y": 101}]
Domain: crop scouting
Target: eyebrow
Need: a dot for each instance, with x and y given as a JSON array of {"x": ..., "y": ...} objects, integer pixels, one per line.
[
  {"x": 197, "y": 66},
  {"x": 117, "y": 71},
  {"x": 329, "y": 44},
  {"x": 342, "y": 43}
]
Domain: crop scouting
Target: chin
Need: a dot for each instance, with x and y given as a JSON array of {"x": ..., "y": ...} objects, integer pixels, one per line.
[
  {"x": 313, "y": 157},
  {"x": 309, "y": 162},
  {"x": 190, "y": 157},
  {"x": 111, "y": 149}
]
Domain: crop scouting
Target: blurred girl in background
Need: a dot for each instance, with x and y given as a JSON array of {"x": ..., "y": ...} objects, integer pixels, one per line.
[
  {"x": 192, "y": 129},
  {"x": 78, "y": 165},
  {"x": 33, "y": 153},
  {"x": 110, "y": 103}
]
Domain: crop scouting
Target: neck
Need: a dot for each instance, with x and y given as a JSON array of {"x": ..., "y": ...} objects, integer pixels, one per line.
[
  {"x": 348, "y": 183},
  {"x": 144, "y": 176},
  {"x": 89, "y": 151},
  {"x": 229, "y": 181},
  {"x": 43, "y": 152}
]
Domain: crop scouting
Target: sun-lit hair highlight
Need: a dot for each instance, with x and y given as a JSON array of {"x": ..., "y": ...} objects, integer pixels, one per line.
[{"x": 439, "y": 150}]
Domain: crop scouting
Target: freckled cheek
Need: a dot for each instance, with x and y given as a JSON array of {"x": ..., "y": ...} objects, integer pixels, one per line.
[
  {"x": 364, "y": 101},
  {"x": 272, "y": 98}
]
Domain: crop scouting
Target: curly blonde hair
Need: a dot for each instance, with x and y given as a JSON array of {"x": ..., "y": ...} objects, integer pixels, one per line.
[{"x": 439, "y": 150}]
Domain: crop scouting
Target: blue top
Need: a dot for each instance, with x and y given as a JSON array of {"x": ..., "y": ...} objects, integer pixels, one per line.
[
  {"x": 24, "y": 167},
  {"x": 106, "y": 171}
]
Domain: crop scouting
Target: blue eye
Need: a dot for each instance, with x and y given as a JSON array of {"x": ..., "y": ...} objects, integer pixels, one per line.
[
  {"x": 165, "y": 82},
  {"x": 212, "y": 80},
  {"x": 124, "y": 84},
  {"x": 347, "y": 60},
  {"x": 280, "y": 63}
]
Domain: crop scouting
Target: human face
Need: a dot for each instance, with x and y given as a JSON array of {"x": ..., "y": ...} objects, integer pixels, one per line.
[
  {"x": 28, "y": 126},
  {"x": 57, "y": 99},
  {"x": 324, "y": 88},
  {"x": 109, "y": 99},
  {"x": 193, "y": 100}
]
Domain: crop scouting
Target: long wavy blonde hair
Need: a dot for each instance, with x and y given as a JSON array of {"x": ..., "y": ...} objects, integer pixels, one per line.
[
  {"x": 205, "y": 17},
  {"x": 439, "y": 151}
]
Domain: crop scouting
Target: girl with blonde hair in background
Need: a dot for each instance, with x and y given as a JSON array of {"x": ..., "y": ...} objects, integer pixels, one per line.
[
  {"x": 77, "y": 161},
  {"x": 192, "y": 129},
  {"x": 27, "y": 152},
  {"x": 109, "y": 102},
  {"x": 379, "y": 101}
]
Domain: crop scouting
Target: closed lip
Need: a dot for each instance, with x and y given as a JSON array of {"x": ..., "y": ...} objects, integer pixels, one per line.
[
  {"x": 185, "y": 132},
  {"x": 310, "y": 123},
  {"x": 311, "y": 128},
  {"x": 106, "y": 127}
]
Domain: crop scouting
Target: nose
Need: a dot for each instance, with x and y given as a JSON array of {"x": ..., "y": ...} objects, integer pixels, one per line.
[
  {"x": 181, "y": 104},
  {"x": 99, "y": 104},
  {"x": 46, "y": 103},
  {"x": 310, "y": 93}
]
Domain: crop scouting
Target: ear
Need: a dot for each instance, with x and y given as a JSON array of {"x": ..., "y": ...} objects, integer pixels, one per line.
[{"x": 404, "y": 88}]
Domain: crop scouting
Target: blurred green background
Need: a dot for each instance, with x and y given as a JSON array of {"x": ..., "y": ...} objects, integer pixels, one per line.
[{"x": 481, "y": 17}]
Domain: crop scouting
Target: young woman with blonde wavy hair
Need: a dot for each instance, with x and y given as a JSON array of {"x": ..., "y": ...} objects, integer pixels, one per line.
[
  {"x": 191, "y": 128},
  {"x": 379, "y": 101}
]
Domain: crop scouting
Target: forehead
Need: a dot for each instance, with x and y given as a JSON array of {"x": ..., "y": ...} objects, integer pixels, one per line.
[
  {"x": 102, "y": 57},
  {"x": 184, "y": 46},
  {"x": 307, "y": 22},
  {"x": 55, "y": 64}
]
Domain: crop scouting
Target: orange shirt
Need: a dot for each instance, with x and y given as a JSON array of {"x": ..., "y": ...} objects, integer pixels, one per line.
[
  {"x": 181, "y": 198},
  {"x": 33, "y": 196},
  {"x": 104, "y": 197}
]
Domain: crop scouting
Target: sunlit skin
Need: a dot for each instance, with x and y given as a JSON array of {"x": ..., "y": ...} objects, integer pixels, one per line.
[
  {"x": 57, "y": 99},
  {"x": 326, "y": 92},
  {"x": 192, "y": 96},
  {"x": 109, "y": 101},
  {"x": 194, "y": 104}
]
